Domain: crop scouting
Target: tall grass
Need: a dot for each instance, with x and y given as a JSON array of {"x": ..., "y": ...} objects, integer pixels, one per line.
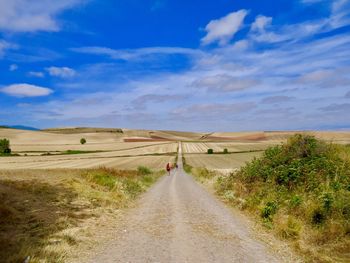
[
  {"x": 300, "y": 190},
  {"x": 188, "y": 168},
  {"x": 35, "y": 216}
]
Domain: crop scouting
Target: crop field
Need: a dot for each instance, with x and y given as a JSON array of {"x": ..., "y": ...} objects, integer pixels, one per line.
[
  {"x": 54, "y": 150},
  {"x": 220, "y": 161},
  {"x": 128, "y": 149},
  {"x": 125, "y": 163},
  {"x": 202, "y": 147}
]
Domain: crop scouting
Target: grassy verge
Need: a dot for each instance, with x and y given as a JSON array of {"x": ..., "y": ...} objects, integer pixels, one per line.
[
  {"x": 42, "y": 212},
  {"x": 188, "y": 168},
  {"x": 8, "y": 154},
  {"x": 301, "y": 192}
]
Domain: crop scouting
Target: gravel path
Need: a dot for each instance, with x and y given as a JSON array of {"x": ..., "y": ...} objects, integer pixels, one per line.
[{"x": 179, "y": 221}]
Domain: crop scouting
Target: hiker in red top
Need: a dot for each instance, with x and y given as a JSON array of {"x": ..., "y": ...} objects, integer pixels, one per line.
[{"x": 168, "y": 168}]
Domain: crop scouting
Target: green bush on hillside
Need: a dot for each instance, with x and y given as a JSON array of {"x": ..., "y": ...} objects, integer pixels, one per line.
[
  {"x": 210, "y": 151},
  {"x": 301, "y": 189},
  {"x": 82, "y": 140},
  {"x": 5, "y": 146},
  {"x": 302, "y": 161}
]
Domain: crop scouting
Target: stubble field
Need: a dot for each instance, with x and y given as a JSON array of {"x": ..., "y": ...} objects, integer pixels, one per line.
[{"x": 128, "y": 149}]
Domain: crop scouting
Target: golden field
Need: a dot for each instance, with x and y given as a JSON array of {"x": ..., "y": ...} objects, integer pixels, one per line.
[{"x": 128, "y": 149}]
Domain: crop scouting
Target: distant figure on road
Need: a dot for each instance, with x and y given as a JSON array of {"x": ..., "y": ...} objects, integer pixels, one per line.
[
  {"x": 176, "y": 166},
  {"x": 168, "y": 168}
]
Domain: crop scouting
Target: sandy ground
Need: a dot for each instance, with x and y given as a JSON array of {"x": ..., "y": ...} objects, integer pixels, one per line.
[{"x": 179, "y": 221}]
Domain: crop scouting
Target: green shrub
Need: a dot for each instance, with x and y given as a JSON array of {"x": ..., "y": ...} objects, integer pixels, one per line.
[
  {"x": 210, "y": 151},
  {"x": 306, "y": 179},
  {"x": 295, "y": 201},
  {"x": 225, "y": 151},
  {"x": 104, "y": 179},
  {"x": 5, "y": 146},
  {"x": 186, "y": 167},
  {"x": 82, "y": 140},
  {"x": 269, "y": 210},
  {"x": 327, "y": 200},
  {"x": 142, "y": 170},
  {"x": 7, "y": 151}
]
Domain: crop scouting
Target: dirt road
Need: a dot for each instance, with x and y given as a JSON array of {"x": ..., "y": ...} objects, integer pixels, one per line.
[{"x": 179, "y": 221}]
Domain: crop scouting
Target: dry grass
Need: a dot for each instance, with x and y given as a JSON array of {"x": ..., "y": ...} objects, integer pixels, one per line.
[
  {"x": 220, "y": 161},
  {"x": 43, "y": 213}
]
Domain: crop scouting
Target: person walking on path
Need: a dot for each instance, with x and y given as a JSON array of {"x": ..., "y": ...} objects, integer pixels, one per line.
[{"x": 168, "y": 168}]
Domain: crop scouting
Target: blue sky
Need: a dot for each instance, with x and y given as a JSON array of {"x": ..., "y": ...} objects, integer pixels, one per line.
[{"x": 223, "y": 65}]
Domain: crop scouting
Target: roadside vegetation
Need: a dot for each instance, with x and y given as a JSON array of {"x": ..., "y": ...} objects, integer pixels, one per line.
[
  {"x": 300, "y": 191},
  {"x": 5, "y": 147},
  {"x": 43, "y": 212},
  {"x": 188, "y": 168}
]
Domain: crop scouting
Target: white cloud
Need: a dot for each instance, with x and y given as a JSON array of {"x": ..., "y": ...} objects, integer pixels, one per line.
[
  {"x": 4, "y": 45},
  {"x": 339, "y": 17},
  {"x": 340, "y": 13},
  {"x": 223, "y": 29},
  {"x": 244, "y": 76},
  {"x": 212, "y": 110},
  {"x": 63, "y": 72},
  {"x": 26, "y": 90},
  {"x": 13, "y": 67},
  {"x": 224, "y": 83},
  {"x": 134, "y": 54},
  {"x": 37, "y": 74},
  {"x": 30, "y": 16},
  {"x": 260, "y": 23}
]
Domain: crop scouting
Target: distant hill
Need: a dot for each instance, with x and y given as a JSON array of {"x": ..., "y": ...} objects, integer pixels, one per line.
[
  {"x": 19, "y": 127},
  {"x": 73, "y": 130}
]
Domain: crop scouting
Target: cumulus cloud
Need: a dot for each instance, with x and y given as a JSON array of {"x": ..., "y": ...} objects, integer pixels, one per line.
[
  {"x": 260, "y": 23},
  {"x": 222, "y": 30},
  {"x": 63, "y": 72},
  {"x": 224, "y": 83},
  {"x": 26, "y": 90},
  {"x": 31, "y": 16}
]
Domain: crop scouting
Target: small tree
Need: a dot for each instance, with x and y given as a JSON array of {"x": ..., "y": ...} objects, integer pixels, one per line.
[
  {"x": 5, "y": 146},
  {"x": 225, "y": 151},
  {"x": 210, "y": 151},
  {"x": 82, "y": 140}
]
